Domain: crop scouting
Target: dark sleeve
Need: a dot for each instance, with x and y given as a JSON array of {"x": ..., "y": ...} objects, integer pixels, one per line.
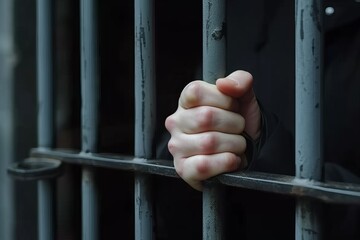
[
  {"x": 274, "y": 151},
  {"x": 161, "y": 149}
]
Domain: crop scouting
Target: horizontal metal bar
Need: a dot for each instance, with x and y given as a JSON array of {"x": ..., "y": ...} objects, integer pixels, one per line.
[
  {"x": 126, "y": 163},
  {"x": 331, "y": 192}
]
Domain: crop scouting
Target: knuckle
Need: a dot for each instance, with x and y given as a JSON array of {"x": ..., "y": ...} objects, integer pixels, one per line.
[
  {"x": 208, "y": 143},
  {"x": 192, "y": 94},
  {"x": 202, "y": 166},
  {"x": 172, "y": 146},
  {"x": 205, "y": 118},
  {"x": 170, "y": 123}
]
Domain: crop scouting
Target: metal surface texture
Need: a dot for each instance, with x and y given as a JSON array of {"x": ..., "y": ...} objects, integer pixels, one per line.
[
  {"x": 89, "y": 115},
  {"x": 45, "y": 80},
  {"x": 36, "y": 169},
  {"x": 46, "y": 209},
  {"x": 144, "y": 113},
  {"x": 330, "y": 192},
  {"x": 7, "y": 116},
  {"x": 214, "y": 39},
  {"x": 89, "y": 76},
  {"x": 90, "y": 199},
  {"x": 308, "y": 139},
  {"x": 45, "y": 86},
  {"x": 308, "y": 101},
  {"x": 214, "y": 66}
]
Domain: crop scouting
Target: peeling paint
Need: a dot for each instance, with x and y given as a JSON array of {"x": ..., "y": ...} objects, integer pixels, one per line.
[
  {"x": 218, "y": 34},
  {"x": 302, "y": 24},
  {"x": 316, "y": 14},
  {"x": 313, "y": 47}
]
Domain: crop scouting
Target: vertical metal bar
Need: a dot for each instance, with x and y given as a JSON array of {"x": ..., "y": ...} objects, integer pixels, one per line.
[
  {"x": 7, "y": 116},
  {"x": 89, "y": 113},
  {"x": 45, "y": 85},
  {"x": 144, "y": 113},
  {"x": 214, "y": 66},
  {"x": 46, "y": 209},
  {"x": 214, "y": 39},
  {"x": 308, "y": 140},
  {"x": 45, "y": 74},
  {"x": 90, "y": 228}
]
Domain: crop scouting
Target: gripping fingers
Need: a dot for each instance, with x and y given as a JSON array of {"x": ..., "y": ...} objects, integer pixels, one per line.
[
  {"x": 205, "y": 118},
  {"x": 186, "y": 145},
  {"x": 200, "y": 167}
]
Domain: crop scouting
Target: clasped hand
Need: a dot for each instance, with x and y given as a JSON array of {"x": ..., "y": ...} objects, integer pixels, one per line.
[{"x": 208, "y": 126}]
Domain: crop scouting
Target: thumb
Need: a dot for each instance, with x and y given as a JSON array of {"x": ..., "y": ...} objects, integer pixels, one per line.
[{"x": 239, "y": 84}]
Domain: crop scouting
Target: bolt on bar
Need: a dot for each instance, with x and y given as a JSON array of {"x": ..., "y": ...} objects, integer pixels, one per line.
[
  {"x": 214, "y": 66},
  {"x": 308, "y": 139},
  {"x": 46, "y": 225},
  {"x": 144, "y": 113},
  {"x": 89, "y": 112}
]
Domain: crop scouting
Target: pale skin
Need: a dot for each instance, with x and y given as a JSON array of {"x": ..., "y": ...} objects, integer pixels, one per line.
[{"x": 208, "y": 126}]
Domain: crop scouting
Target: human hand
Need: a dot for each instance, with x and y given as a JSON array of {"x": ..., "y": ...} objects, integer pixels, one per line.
[{"x": 206, "y": 129}]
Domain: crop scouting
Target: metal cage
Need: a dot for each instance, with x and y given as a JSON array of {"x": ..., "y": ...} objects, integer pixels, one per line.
[{"x": 46, "y": 161}]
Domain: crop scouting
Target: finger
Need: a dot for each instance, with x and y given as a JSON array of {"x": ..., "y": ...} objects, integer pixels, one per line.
[
  {"x": 200, "y": 93},
  {"x": 204, "y": 118},
  {"x": 200, "y": 167},
  {"x": 238, "y": 85},
  {"x": 185, "y": 145}
]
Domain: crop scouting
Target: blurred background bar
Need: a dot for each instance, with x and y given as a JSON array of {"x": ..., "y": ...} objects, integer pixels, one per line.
[
  {"x": 7, "y": 111},
  {"x": 145, "y": 113},
  {"x": 214, "y": 66},
  {"x": 308, "y": 98},
  {"x": 45, "y": 74},
  {"x": 89, "y": 114},
  {"x": 45, "y": 87}
]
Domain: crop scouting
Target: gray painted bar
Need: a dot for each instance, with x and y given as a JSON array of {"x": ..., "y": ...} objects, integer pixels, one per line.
[
  {"x": 46, "y": 209},
  {"x": 7, "y": 116},
  {"x": 144, "y": 113},
  {"x": 308, "y": 139},
  {"x": 45, "y": 85},
  {"x": 328, "y": 192},
  {"x": 214, "y": 66},
  {"x": 89, "y": 113},
  {"x": 90, "y": 216},
  {"x": 214, "y": 40},
  {"x": 45, "y": 74}
]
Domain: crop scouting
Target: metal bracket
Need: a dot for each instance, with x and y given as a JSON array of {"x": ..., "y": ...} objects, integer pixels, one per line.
[{"x": 36, "y": 169}]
